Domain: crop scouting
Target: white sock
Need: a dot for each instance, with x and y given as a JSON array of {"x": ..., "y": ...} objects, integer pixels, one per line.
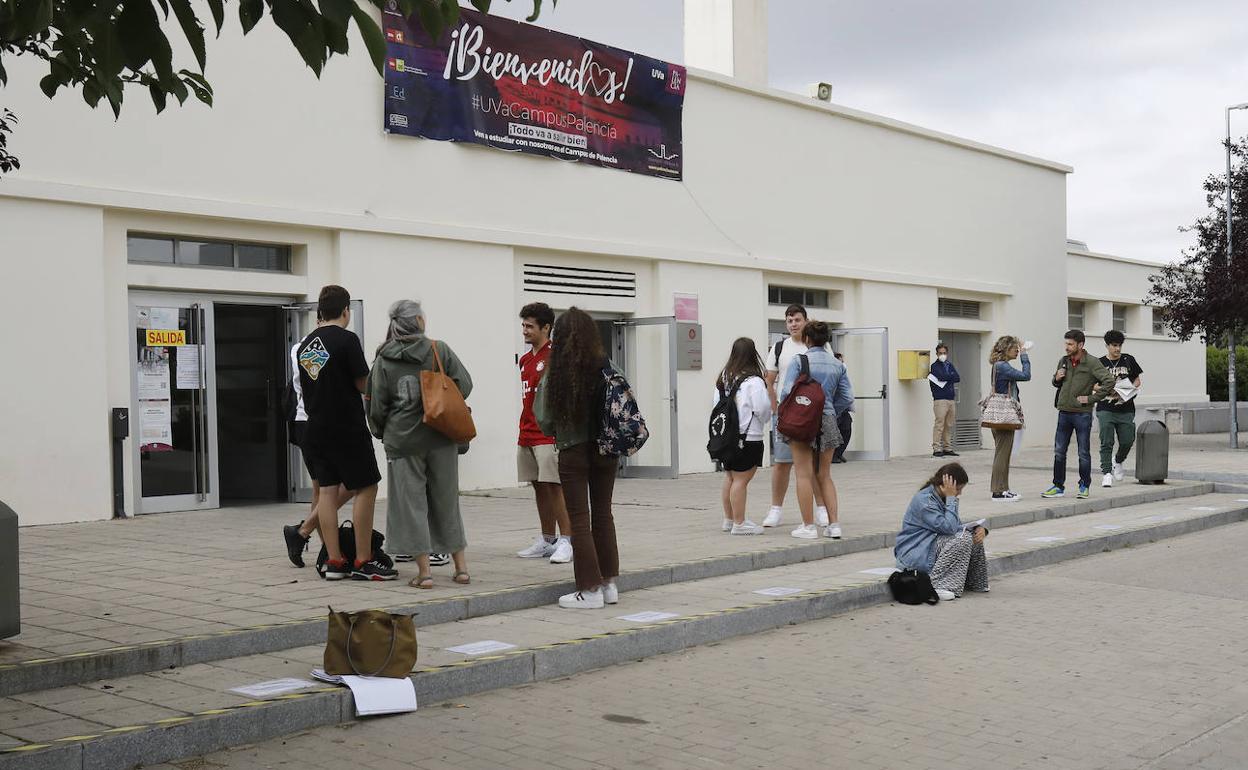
[{"x": 775, "y": 509}]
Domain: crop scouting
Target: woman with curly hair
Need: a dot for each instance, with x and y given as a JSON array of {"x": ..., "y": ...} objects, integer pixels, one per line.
[
  {"x": 567, "y": 406},
  {"x": 1005, "y": 379}
]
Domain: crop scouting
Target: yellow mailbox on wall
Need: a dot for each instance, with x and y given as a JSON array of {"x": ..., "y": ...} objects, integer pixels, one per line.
[{"x": 913, "y": 364}]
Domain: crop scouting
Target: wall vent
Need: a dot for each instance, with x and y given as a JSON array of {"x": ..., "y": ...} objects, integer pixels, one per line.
[
  {"x": 555, "y": 279},
  {"x": 966, "y": 434},
  {"x": 956, "y": 308}
]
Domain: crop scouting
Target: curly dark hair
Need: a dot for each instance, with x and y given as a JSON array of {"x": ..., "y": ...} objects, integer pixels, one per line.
[{"x": 575, "y": 368}]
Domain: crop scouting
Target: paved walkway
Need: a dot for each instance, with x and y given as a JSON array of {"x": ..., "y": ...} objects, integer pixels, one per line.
[
  {"x": 1126, "y": 660},
  {"x": 93, "y": 586}
]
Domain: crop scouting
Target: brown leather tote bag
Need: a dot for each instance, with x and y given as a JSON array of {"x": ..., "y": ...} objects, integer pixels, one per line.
[
  {"x": 370, "y": 643},
  {"x": 445, "y": 409}
]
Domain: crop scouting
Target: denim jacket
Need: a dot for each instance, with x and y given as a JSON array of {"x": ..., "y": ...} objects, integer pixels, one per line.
[
  {"x": 927, "y": 517},
  {"x": 1005, "y": 377},
  {"x": 838, "y": 394}
]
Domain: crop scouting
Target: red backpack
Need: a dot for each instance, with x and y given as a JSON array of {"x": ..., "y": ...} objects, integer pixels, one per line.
[{"x": 800, "y": 417}]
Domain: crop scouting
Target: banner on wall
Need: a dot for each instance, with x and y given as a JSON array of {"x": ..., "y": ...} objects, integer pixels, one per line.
[{"x": 522, "y": 88}]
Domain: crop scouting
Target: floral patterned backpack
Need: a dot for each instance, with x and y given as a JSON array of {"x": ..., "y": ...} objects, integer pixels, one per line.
[{"x": 621, "y": 428}]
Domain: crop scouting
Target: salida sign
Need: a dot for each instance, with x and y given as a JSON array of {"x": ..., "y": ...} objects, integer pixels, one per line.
[{"x": 518, "y": 87}]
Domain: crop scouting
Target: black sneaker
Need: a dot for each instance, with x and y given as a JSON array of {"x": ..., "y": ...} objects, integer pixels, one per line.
[
  {"x": 439, "y": 559},
  {"x": 938, "y": 454},
  {"x": 296, "y": 544},
  {"x": 951, "y": 453},
  {"x": 375, "y": 569},
  {"x": 336, "y": 571}
]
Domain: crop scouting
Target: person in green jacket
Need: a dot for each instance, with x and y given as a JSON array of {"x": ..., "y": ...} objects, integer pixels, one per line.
[
  {"x": 422, "y": 513},
  {"x": 1077, "y": 379}
]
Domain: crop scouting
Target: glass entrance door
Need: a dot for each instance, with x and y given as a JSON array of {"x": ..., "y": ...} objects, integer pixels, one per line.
[
  {"x": 866, "y": 357},
  {"x": 300, "y": 321},
  {"x": 173, "y": 403},
  {"x": 646, "y": 351}
]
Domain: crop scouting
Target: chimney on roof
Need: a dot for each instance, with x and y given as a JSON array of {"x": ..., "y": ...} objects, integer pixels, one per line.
[{"x": 728, "y": 37}]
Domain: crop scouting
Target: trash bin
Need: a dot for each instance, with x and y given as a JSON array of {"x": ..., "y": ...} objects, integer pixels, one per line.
[
  {"x": 1152, "y": 452},
  {"x": 10, "y": 599}
]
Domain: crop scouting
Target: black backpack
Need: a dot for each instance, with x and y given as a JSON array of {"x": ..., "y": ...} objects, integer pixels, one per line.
[
  {"x": 346, "y": 543},
  {"x": 724, "y": 428},
  {"x": 909, "y": 586}
]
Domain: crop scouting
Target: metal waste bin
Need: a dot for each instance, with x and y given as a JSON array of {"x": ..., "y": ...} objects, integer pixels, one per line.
[
  {"x": 1152, "y": 452},
  {"x": 10, "y": 600}
]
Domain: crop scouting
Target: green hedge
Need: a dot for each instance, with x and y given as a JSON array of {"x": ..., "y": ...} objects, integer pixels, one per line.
[{"x": 1215, "y": 373}]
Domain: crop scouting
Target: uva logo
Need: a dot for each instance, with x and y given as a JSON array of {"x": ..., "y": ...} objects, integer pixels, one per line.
[{"x": 803, "y": 400}]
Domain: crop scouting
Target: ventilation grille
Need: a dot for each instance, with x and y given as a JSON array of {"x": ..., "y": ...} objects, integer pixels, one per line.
[
  {"x": 966, "y": 434},
  {"x": 956, "y": 308},
  {"x": 552, "y": 279}
]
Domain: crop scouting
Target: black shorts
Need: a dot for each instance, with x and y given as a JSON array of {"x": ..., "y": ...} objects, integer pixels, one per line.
[
  {"x": 350, "y": 463},
  {"x": 751, "y": 456}
]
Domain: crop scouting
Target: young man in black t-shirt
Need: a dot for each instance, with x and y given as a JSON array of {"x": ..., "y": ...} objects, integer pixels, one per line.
[
  {"x": 332, "y": 376},
  {"x": 1115, "y": 416}
]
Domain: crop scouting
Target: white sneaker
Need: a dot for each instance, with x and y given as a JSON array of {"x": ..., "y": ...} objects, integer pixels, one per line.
[
  {"x": 582, "y": 600},
  {"x": 773, "y": 516},
  {"x": 806, "y": 532},
  {"x": 833, "y": 531},
  {"x": 747, "y": 527},
  {"x": 563, "y": 551},
  {"x": 1118, "y": 472},
  {"x": 1007, "y": 497},
  {"x": 945, "y": 596},
  {"x": 610, "y": 594},
  {"x": 539, "y": 550},
  {"x": 821, "y": 516},
  {"x": 727, "y": 525},
  {"x": 1107, "y": 480}
]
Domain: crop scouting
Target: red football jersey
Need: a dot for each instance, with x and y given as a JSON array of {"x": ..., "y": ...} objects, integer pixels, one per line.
[{"x": 532, "y": 367}]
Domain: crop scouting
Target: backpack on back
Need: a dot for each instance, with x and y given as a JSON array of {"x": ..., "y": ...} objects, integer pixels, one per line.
[
  {"x": 621, "y": 428},
  {"x": 800, "y": 416},
  {"x": 725, "y": 427}
]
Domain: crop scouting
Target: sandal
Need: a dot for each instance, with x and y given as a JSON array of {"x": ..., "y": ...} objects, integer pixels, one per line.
[
  {"x": 421, "y": 581},
  {"x": 461, "y": 574}
]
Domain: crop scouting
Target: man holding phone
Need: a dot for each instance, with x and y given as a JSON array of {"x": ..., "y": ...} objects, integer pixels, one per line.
[{"x": 1077, "y": 379}]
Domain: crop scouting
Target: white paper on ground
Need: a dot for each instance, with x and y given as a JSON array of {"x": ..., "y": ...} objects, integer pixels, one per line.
[
  {"x": 1242, "y": 500},
  {"x": 273, "y": 687},
  {"x": 480, "y": 648},
  {"x": 1108, "y": 526},
  {"x": 319, "y": 673},
  {"x": 381, "y": 695},
  {"x": 1204, "y": 508},
  {"x": 779, "y": 591},
  {"x": 939, "y": 383},
  {"x": 1157, "y": 518},
  {"x": 878, "y": 571},
  {"x": 648, "y": 617},
  {"x": 1045, "y": 539}
]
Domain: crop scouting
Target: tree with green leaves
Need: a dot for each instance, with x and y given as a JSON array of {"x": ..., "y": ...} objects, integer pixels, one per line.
[{"x": 102, "y": 46}]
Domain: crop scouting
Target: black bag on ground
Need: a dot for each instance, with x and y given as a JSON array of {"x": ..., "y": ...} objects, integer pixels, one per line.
[
  {"x": 346, "y": 542},
  {"x": 724, "y": 428},
  {"x": 909, "y": 586}
]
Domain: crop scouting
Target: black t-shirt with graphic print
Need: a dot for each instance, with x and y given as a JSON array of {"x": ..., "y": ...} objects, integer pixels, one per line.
[
  {"x": 1125, "y": 368},
  {"x": 330, "y": 360}
]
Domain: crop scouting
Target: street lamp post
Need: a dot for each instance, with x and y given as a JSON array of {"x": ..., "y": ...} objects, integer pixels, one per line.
[{"x": 1230, "y": 257}]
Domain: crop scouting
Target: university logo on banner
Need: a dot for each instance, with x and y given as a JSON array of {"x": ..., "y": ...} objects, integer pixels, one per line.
[{"x": 519, "y": 87}]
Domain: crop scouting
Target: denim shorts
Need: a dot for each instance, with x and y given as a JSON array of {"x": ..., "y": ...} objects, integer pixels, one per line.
[{"x": 780, "y": 451}]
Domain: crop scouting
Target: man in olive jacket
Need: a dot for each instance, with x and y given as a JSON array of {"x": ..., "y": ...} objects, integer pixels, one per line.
[{"x": 1081, "y": 380}]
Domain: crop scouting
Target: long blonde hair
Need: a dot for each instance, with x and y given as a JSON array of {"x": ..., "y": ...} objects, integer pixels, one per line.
[{"x": 1001, "y": 348}]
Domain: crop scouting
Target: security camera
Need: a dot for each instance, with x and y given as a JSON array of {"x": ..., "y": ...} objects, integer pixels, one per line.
[{"x": 821, "y": 91}]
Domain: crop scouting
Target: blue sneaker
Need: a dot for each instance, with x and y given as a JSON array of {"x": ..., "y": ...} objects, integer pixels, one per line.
[
  {"x": 1053, "y": 491},
  {"x": 1083, "y": 492}
]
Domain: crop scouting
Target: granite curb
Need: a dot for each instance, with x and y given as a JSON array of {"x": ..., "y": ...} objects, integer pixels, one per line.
[{"x": 260, "y": 720}]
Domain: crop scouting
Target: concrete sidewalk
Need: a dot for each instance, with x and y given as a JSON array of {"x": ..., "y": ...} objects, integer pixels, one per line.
[{"x": 96, "y": 586}]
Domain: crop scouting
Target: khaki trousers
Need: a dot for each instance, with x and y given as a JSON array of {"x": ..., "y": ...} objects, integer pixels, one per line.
[{"x": 942, "y": 431}]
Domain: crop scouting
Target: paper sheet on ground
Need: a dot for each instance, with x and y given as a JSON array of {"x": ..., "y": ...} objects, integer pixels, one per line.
[
  {"x": 779, "y": 591},
  {"x": 939, "y": 383},
  {"x": 1045, "y": 539},
  {"x": 273, "y": 687},
  {"x": 480, "y": 648},
  {"x": 648, "y": 617},
  {"x": 381, "y": 695},
  {"x": 878, "y": 571}
]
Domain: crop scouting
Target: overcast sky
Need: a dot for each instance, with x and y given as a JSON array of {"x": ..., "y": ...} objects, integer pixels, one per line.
[{"x": 1130, "y": 93}]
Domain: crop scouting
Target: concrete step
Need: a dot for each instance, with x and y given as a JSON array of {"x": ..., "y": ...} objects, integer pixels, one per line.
[
  {"x": 168, "y": 715},
  {"x": 41, "y": 672}
]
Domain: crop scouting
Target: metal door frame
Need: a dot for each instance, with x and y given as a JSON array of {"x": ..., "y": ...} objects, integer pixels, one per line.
[
  {"x": 882, "y": 395},
  {"x": 627, "y": 468},
  {"x": 295, "y": 491}
]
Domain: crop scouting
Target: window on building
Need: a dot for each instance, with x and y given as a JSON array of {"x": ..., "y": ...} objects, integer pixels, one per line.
[
  {"x": 1074, "y": 314},
  {"x": 1120, "y": 318},
  {"x": 792, "y": 295},
  {"x": 1159, "y": 323},
  {"x": 169, "y": 250},
  {"x": 956, "y": 308}
]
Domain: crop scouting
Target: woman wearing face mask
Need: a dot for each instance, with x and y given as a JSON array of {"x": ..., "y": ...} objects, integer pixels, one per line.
[{"x": 941, "y": 380}]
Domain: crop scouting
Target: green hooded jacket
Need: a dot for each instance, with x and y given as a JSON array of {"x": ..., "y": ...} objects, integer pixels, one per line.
[
  {"x": 1079, "y": 381},
  {"x": 395, "y": 412}
]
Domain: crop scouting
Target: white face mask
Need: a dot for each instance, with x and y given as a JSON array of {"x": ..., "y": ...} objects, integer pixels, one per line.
[{"x": 942, "y": 358}]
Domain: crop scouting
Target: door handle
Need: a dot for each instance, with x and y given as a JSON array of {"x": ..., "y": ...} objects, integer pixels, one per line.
[{"x": 884, "y": 390}]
